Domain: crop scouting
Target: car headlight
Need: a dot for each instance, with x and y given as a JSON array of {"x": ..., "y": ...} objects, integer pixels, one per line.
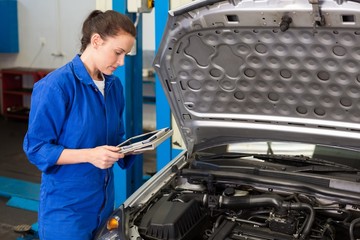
[
  {"x": 112, "y": 223},
  {"x": 113, "y": 228},
  {"x": 112, "y": 235}
]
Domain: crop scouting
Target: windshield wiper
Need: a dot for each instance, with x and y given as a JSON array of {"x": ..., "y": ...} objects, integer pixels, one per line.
[
  {"x": 327, "y": 169},
  {"x": 301, "y": 160},
  {"x": 226, "y": 155}
]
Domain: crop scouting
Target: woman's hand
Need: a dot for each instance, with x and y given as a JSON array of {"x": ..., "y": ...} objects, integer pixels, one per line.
[
  {"x": 104, "y": 156},
  {"x": 101, "y": 157}
]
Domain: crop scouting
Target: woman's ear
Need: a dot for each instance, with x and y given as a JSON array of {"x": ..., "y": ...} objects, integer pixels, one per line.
[{"x": 96, "y": 40}]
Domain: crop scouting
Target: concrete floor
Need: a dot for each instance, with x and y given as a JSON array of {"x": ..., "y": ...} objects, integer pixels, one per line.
[{"x": 14, "y": 164}]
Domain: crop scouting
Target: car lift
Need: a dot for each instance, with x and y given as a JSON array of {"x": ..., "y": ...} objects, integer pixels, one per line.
[{"x": 24, "y": 195}]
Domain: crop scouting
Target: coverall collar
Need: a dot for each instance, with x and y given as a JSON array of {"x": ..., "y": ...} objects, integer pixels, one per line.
[{"x": 83, "y": 75}]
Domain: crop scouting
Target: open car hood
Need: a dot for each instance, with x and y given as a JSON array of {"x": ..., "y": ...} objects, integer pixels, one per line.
[{"x": 263, "y": 70}]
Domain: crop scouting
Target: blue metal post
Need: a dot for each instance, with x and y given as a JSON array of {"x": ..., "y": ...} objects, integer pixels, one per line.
[
  {"x": 163, "y": 114},
  {"x": 127, "y": 181}
]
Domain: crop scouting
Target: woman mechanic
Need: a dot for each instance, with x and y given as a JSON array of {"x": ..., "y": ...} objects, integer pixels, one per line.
[{"x": 74, "y": 125}]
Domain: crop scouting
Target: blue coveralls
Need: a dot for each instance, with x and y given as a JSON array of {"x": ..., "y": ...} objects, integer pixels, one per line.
[{"x": 68, "y": 111}]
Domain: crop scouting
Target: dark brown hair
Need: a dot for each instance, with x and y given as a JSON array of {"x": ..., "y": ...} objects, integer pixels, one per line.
[{"x": 107, "y": 24}]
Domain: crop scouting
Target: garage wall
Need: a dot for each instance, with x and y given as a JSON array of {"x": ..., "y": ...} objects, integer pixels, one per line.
[{"x": 49, "y": 32}]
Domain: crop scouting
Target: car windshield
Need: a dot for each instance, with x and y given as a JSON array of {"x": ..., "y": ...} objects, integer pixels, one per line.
[
  {"x": 286, "y": 153},
  {"x": 278, "y": 148}
]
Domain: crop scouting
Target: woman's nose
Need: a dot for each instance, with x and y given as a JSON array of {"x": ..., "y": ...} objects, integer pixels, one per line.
[{"x": 120, "y": 60}]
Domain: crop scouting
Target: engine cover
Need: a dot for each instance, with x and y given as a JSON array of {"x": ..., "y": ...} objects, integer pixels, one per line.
[{"x": 172, "y": 220}]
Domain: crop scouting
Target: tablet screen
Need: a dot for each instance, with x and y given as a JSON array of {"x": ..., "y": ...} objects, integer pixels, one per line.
[
  {"x": 145, "y": 142},
  {"x": 138, "y": 139}
]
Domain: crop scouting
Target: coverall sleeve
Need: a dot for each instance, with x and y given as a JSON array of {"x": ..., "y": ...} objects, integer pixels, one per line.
[
  {"x": 127, "y": 161},
  {"x": 47, "y": 115}
]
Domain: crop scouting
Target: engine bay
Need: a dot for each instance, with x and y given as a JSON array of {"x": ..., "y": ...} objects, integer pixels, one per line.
[{"x": 202, "y": 208}]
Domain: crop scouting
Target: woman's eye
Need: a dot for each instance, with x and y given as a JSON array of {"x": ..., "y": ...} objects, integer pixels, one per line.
[{"x": 118, "y": 52}]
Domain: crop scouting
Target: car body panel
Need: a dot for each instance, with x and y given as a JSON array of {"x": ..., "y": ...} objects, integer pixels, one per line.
[{"x": 229, "y": 70}]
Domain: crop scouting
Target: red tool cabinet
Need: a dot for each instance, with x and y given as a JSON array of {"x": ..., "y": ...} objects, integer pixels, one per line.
[{"x": 17, "y": 86}]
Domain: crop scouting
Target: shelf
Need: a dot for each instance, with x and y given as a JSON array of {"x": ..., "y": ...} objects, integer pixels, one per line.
[
  {"x": 19, "y": 112},
  {"x": 20, "y": 91},
  {"x": 17, "y": 86},
  {"x": 17, "y": 115}
]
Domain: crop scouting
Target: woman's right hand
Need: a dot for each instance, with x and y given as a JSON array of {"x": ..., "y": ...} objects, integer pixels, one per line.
[
  {"x": 101, "y": 157},
  {"x": 104, "y": 156}
]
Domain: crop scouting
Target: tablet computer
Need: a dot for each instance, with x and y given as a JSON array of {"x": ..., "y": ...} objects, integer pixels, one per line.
[{"x": 145, "y": 142}]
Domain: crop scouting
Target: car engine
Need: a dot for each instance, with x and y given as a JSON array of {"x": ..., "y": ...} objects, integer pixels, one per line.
[{"x": 194, "y": 207}]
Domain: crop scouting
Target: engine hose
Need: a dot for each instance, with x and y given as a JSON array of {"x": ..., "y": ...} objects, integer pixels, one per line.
[
  {"x": 351, "y": 229},
  {"x": 199, "y": 197},
  {"x": 235, "y": 202},
  {"x": 310, "y": 221},
  {"x": 250, "y": 201}
]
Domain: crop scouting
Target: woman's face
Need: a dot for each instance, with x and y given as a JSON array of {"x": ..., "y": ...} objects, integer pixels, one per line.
[{"x": 111, "y": 52}]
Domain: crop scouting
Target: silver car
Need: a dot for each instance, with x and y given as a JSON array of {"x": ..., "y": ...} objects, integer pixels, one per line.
[{"x": 266, "y": 96}]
